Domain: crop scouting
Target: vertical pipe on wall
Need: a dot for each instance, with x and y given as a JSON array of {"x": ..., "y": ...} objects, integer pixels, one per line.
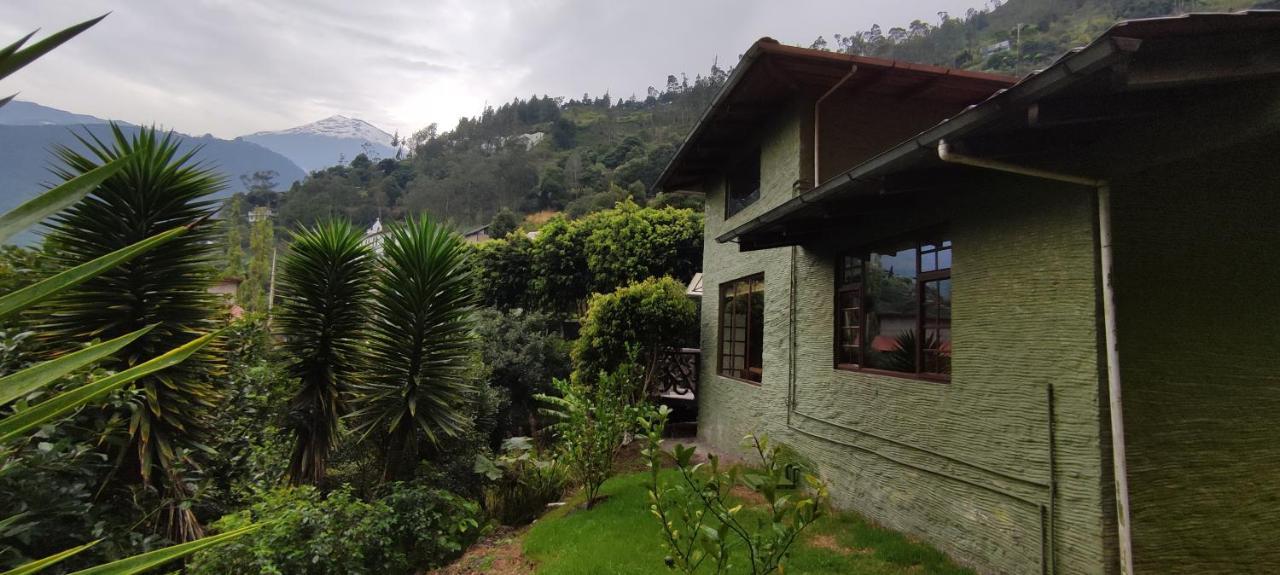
[
  {"x": 1113, "y": 380},
  {"x": 1052, "y": 558},
  {"x": 791, "y": 336},
  {"x": 1121, "y": 469}
]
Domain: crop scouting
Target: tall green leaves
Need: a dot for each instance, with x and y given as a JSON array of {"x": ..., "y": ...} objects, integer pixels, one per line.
[
  {"x": 324, "y": 286},
  {"x": 13, "y": 57},
  {"x": 157, "y": 189},
  {"x": 18, "y": 424},
  {"x": 419, "y": 343}
]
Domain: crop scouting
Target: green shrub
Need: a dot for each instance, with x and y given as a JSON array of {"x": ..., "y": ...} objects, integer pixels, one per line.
[
  {"x": 523, "y": 482},
  {"x": 704, "y": 528},
  {"x": 412, "y": 528},
  {"x": 523, "y": 352},
  {"x": 592, "y": 422},
  {"x": 649, "y": 316},
  {"x": 251, "y": 449},
  {"x": 502, "y": 272},
  {"x": 628, "y": 244},
  {"x": 599, "y": 252},
  {"x": 431, "y": 526}
]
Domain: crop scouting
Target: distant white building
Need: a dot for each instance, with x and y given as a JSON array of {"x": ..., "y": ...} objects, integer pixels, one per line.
[
  {"x": 261, "y": 213},
  {"x": 374, "y": 236}
]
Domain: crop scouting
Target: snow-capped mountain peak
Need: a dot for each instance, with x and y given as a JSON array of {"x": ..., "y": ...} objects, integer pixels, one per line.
[{"x": 338, "y": 126}]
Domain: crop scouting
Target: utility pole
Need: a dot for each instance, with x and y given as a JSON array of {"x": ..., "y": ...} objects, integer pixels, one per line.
[
  {"x": 271, "y": 290},
  {"x": 1017, "y": 65}
]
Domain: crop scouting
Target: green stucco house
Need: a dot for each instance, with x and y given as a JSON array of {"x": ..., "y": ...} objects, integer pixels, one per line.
[{"x": 1034, "y": 322}]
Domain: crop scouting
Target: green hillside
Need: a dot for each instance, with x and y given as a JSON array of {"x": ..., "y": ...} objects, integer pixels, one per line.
[
  {"x": 577, "y": 155},
  {"x": 583, "y": 154},
  {"x": 1013, "y": 37}
]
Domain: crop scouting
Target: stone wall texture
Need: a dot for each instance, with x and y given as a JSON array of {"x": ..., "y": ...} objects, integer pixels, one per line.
[{"x": 1196, "y": 247}]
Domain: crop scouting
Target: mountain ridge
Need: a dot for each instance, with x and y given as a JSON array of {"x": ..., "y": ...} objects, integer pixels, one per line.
[
  {"x": 29, "y": 132},
  {"x": 336, "y": 126}
]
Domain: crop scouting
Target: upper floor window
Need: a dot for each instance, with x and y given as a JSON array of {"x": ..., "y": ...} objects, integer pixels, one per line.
[
  {"x": 886, "y": 298},
  {"x": 742, "y": 328},
  {"x": 743, "y": 183}
]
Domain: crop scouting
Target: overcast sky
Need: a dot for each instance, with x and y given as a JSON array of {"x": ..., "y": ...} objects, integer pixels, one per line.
[{"x": 231, "y": 67}]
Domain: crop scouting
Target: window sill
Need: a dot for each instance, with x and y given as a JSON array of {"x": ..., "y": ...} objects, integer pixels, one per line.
[
  {"x": 924, "y": 377},
  {"x": 739, "y": 380}
]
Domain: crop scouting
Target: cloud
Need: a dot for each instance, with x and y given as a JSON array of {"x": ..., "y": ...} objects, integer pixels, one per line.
[{"x": 231, "y": 67}]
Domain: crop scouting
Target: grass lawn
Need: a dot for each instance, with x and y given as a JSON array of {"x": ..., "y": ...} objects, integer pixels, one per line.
[{"x": 620, "y": 536}]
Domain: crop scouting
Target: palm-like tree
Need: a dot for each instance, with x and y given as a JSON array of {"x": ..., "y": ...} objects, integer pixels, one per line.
[
  {"x": 420, "y": 343},
  {"x": 157, "y": 189},
  {"x": 324, "y": 285}
]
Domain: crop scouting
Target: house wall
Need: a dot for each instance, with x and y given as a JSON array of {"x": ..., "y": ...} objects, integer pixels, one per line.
[
  {"x": 850, "y": 136},
  {"x": 1196, "y": 252},
  {"x": 964, "y": 465}
]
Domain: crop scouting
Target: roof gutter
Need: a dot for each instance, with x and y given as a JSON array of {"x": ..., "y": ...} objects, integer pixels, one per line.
[{"x": 1118, "y": 456}]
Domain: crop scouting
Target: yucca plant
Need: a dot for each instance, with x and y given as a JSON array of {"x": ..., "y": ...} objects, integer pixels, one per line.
[
  {"x": 156, "y": 189},
  {"x": 324, "y": 288},
  {"x": 420, "y": 344},
  {"x": 16, "y": 425}
]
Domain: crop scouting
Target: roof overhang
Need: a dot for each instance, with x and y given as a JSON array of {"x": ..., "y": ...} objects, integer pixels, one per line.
[
  {"x": 1098, "y": 111},
  {"x": 770, "y": 74}
]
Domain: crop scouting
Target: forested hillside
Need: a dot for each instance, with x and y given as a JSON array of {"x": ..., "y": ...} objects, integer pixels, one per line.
[
  {"x": 1014, "y": 36},
  {"x": 582, "y": 155},
  {"x": 543, "y": 153}
]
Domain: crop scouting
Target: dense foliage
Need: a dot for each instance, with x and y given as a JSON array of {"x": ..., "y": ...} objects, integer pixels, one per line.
[
  {"x": 156, "y": 191},
  {"x": 636, "y": 322},
  {"x": 541, "y": 153},
  {"x": 48, "y": 487},
  {"x": 701, "y": 525},
  {"x": 411, "y": 528},
  {"x": 522, "y": 481},
  {"x": 1014, "y": 36},
  {"x": 569, "y": 260},
  {"x": 420, "y": 344},
  {"x": 591, "y": 423},
  {"x": 523, "y": 352},
  {"x": 324, "y": 283}
]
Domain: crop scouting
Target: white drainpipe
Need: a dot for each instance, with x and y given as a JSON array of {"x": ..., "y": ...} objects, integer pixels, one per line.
[{"x": 1108, "y": 320}]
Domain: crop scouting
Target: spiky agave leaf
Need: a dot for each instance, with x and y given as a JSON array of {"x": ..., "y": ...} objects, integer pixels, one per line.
[
  {"x": 158, "y": 189},
  {"x": 324, "y": 287},
  {"x": 420, "y": 341}
]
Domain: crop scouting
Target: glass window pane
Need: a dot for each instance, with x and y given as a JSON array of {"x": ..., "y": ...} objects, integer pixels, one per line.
[
  {"x": 944, "y": 259},
  {"x": 756, "y": 331},
  {"x": 891, "y": 309},
  {"x": 936, "y": 347},
  {"x": 743, "y": 184},
  {"x": 849, "y": 318}
]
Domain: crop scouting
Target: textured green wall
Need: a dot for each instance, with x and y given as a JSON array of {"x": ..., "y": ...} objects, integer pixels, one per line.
[
  {"x": 1197, "y": 249},
  {"x": 963, "y": 465}
]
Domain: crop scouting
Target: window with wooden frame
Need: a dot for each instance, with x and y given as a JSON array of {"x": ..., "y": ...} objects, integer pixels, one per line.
[
  {"x": 886, "y": 298},
  {"x": 742, "y": 329},
  {"x": 742, "y": 184}
]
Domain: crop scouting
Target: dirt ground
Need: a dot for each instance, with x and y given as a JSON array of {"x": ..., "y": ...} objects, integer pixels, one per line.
[{"x": 498, "y": 554}]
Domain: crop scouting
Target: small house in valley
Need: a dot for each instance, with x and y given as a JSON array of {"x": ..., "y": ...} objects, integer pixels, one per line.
[{"x": 1031, "y": 321}]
